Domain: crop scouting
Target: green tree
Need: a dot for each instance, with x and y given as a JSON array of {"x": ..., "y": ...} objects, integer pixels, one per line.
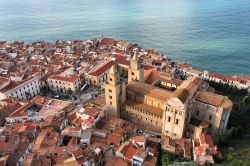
[{"x": 168, "y": 158}]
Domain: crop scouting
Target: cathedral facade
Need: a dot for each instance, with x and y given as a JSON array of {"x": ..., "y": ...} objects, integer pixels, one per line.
[{"x": 188, "y": 109}]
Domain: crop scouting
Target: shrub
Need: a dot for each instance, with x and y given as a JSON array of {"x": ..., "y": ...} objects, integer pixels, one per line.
[{"x": 223, "y": 140}]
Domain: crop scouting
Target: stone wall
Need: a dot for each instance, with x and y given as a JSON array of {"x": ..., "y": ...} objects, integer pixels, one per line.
[{"x": 142, "y": 118}]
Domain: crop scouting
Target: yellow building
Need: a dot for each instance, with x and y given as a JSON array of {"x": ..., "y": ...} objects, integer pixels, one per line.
[
  {"x": 63, "y": 84},
  {"x": 184, "y": 111}
]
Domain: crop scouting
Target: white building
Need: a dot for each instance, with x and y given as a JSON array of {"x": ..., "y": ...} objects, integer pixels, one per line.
[
  {"x": 123, "y": 45},
  {"x": 21, "y": 89}
]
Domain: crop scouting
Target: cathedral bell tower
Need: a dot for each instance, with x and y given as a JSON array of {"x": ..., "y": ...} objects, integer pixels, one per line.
[
  {"x": 135, "y": 71},
  {"x": 115, "y": 92}
]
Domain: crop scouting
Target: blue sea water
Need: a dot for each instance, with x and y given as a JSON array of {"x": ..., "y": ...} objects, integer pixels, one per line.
[{"x": 210, "y": 35}]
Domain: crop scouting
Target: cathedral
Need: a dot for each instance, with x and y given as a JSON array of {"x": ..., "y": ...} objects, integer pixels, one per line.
[{"x": 171, "y": 107}]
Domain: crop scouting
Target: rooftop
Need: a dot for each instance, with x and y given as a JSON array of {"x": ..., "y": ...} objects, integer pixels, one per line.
[
  {"x": 213, "y": 99},
  {"x": 149, "y": 90},
  {"x": 66, "y": 79},
  {"x": 47, "y": 106},
  {"x": 14, "y": 84},
  {"x": 102, "y": 68},
  {"x": 111, "y": 161}
]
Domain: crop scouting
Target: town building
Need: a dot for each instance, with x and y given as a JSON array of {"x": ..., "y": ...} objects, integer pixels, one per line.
[
  {"x": 147, "y": 106},
  {"x": 241, "y": 82},
  {"x": 24, "y": 87},
  {"x": 86, "y": 116},
  {"x": 39, "y": 109},
  {"x": 204, "y": 150},
  {"x": 165, "y": 111},
  {"x": 123, "y": 45},
  {"x": 64, "y": 84}
]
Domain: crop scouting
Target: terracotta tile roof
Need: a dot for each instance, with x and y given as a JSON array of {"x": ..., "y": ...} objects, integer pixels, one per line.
[
  {"x": 139, "y": 138},
  {"x": 170, "y": 80},
  {"x": 7, "y": 147},
  {"x": 123, "y": 44},
  {"x": 77, "y": 154},
  {"x": 182, "y": 94},
  {"x": 66, "y": 79},
  {"x": 118, "y": 131},
  {"x": 240, "y": 79},
  {"x": 107, "y": 42},
  {"x": 131, "y": 151},
  {"x": 151, "y": 75},
  {"x": 95, "y": 139},
  {"x": 213, "y": 99},
  {"x": 28, "y": 127},
  {"x": 128, "y": 127},
  {"x": 117, "y": 122},
  {"x": 206, "y": 139},
  {"x": 22, "y": 111},
  {"x": 111, "y": 161},
  {"x": 115, "y": 139},
  {"x": 184, "y": 65},
  {"x": 148, "y": 67},
  {"x": 81, "y": 160},
  {"x": 14, "y": 84},
  {"x": 38, "y": 100},
  {"x": 7, "y": 110},
  {"x": 122, "y": 60},
  {"x": 188, "y": 88},
  {"x": 200, "y": 150},
  {"x": 149, "y": 90},
  {"x": 91, "y": 111},
  {"x": 13, "y": 158},
  {"x": 98, "y": 101},
  {"x": 122, "y": 51},
  {"x": 141, "y": 153},
  {"x": 102, "y": 68},
  {"x": 97, "y": 132},
  {"x": 56, "y": 63},
  {"x": 37, "y": 63},
  {"x": 78, "y": 128},
  {"x": 157, "y": 61}
]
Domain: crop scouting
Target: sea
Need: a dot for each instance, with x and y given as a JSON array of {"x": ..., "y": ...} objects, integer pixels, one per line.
[{"x": 211, "y": 35}]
